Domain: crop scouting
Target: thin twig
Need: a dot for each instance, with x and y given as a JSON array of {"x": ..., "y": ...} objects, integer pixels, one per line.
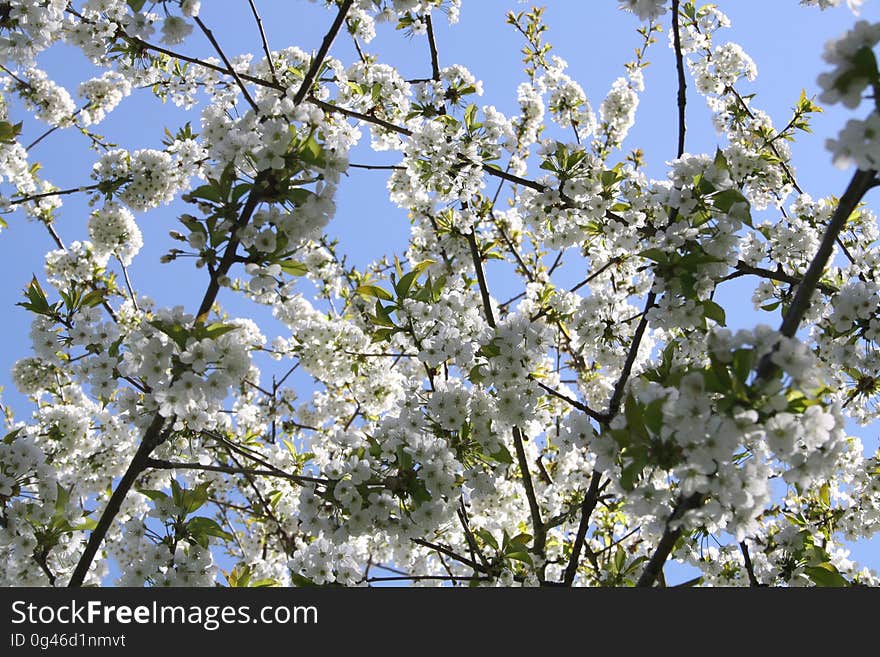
[
  {"x": 232, "y": 71},
  {"x": 161, "y": 464},
  {"x": 599, "y": 417},
  {"x": 264, "y": 40},
  {"x": 128, "y": 286},
  {"x": 57, "y": 192},
  {"x": 745, "y": 269},
  {"x": 449, "y": 553}
]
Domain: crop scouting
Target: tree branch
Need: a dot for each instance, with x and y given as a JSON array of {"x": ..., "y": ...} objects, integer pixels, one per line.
[
  {"x": 481, "y": 279},
  {"x": 861, "y": 182},
  {"x": 449, "y": 553},
  {"x": 232, "y": 71},
  {"x": 318, "y": 61},
  {"x": 153, "y": 437},
  {"x": 160, "y": 464},
  {"x": 599, "y": 417},
  {"x": 617, "y": 395},
  {"x": 591, "y": 499},
  {"x": 668, "y": 540},
  {"x": 744, "y": 269},
  {"x": 750, "y": 568},
  {"x": 432, "y": 44},
  {"x": 264, "y": 41},
  {"x": 682, "y": 81}
]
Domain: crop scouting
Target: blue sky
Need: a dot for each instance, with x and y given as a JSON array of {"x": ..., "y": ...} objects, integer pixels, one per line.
[{"x": 593, "y": 36}]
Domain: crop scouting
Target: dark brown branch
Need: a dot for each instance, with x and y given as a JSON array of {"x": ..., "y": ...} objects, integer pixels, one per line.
[
  {"x": 432, "y": 44},
  {"x": 152, "y": 438},
  {"x": 160, "y": 464},
  {"x": 785, "y": 168},
  {"x": 682, "y": 82},
  {"x": 229, "y": 254},
  {"x": 481, "y": 279},
  {"x": 318, "y": 61},
  {"x": 599, "y": 417},
  {"x": 750, "y": 568},
  {"x": 41, "y": 557},
  {"x": 232, "y": 71},
  {"x": 352, "y": 114},
  {"x": 266, "y": 507},
  {"x": 50, "y": 131},
  {"x": 538, "y": 527},
  {"x": 861, "y": 182},
  {"x": 595, "y": 274},
  {"x": 667, "y": 541},
  {"x": 591, "y": 499},
  {"x": 620, "y": 386},
  {"x": 264, "y": 41},
  {"x": 744, "y": 269},
  {"x": 449, "y": 553},
  {"x": 377, "y": 167},
  {"x": 469, "y": 534},
  {"x": 58, "y": 192},
  {"x": 422, "y": 578}
]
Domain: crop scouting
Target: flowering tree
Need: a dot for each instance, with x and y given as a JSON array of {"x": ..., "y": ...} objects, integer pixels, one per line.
[{"x": 578, "y": 435}]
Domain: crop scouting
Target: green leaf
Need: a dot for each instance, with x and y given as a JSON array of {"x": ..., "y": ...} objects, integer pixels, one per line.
[
  {"x": 201, "y": 529},
  {"x": 657, "y": 255},
  {"x": 635, "y": 422},
  {"x": 195, "y": 498},
  {"x": 470, "y": 116},
  {"x": 714, "y": 312},
  {"x": 825, "y": 574},
  {"x": 10, "y": 437},
  {"x": 383, "y": 317},
  {"x": 206, "y": 193},
  {"x": 176, "y": 332},
  {"x": 743, "y": 362},
  {"x": 525, "y": 557},
  {"x": 62, "y": 497},
  {"x": 630, "y": 473},
  {"x": 36, "y": 299},
  {"x": 654, "y": 415},
  {"x": 215, "y": 330},
  {"x": 405, "y": 283},
  {"x": 299, "y": 580},
  {"x": 241, "y": 576},
  {"x": 92, "y": 298},
  {"x": 502, "y": 456},
  {"x": 374, "y": 291},
  {"x": 153, "y": 494},
  {"x": 293, "y": 268},
  {"x": 404, "y": 459},
  {"x": 189, "y": 500},
  {"x": 9, "y": 131},
  {"x": 732, "y": 202},
  {"x": 86, "y": 524},
  {"x": 489, "y": 350},
  {"x": 487, "y": 538},
  {"x": 311, "y": 153},
  {"x": 136, "y": 5}
]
